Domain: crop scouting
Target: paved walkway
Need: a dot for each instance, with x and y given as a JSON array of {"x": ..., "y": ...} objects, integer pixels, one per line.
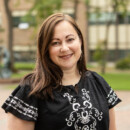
[{"x": 122, "y": 109}]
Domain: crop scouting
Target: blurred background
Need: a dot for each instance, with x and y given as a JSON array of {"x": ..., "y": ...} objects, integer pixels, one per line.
[{"x": 105, "y": 25}]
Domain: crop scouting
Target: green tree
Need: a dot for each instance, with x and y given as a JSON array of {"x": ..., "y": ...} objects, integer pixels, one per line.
[
  {"x": 43, "y": 8},
  {"x": 7, "y": 18},
  {"x": 117, "y": 6}
]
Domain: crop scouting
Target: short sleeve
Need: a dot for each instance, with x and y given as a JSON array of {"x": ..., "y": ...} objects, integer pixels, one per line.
[
  {"x": 111, "y": 96},
  {"x": 20, "y": 104}
]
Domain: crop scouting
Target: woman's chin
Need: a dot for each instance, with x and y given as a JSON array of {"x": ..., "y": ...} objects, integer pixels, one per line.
[{"x": 68, "y": 67}]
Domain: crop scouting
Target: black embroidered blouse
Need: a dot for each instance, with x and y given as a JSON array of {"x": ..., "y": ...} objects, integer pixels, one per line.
[{"x": 86, "y": 110}]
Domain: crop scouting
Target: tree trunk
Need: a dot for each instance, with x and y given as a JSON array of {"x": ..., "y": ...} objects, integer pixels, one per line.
[
  {"x": 97, "y": 24},
  {"x": 7, "y": 25},
  {"x": 115, "y": 10},
  {"x": 82, "y": 22},
  {"x": 87, "y": 35},
  {"x": 127, "y": 35},
  {"x": 75, "y": 8},
  {"x": 117, "y": 38},
  {"x": 103, "y": 68}
]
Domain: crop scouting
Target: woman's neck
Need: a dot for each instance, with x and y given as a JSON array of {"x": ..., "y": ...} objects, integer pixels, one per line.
[{"x": 70, "y": 77}]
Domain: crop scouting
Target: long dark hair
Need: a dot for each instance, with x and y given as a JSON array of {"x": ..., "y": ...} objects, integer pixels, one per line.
[{"x": 47, "y": 75}]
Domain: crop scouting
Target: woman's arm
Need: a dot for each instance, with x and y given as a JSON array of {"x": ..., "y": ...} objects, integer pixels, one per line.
[
  {"x": 15, "y": 123},
  {"x": 112, "y": 125}
]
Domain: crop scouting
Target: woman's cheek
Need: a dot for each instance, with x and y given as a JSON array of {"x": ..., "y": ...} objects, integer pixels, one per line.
[
  {"x": 77, "y": 47},
  {"x": 53, "y": 52}
]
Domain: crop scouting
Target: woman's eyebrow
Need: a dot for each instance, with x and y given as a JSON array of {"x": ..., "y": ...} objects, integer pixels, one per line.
[
  {"x": 55, "y": 38},
  {"x": 65, "y": 37},
  {"x": 69, "y": 35}
]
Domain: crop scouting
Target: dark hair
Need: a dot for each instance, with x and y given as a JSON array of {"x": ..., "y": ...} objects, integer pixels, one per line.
[{"x": 47, "y": 75}]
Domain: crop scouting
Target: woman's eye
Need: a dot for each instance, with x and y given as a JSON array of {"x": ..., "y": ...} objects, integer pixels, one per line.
[
  {"x": 55, "y": 43},
  {"x": 70, "y": 39}
]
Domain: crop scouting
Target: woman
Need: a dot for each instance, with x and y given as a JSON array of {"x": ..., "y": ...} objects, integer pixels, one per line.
[{"x": 61, "y": 94}]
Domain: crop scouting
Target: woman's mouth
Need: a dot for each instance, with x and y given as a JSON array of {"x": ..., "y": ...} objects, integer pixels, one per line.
[{"x": 65, "y": 57}]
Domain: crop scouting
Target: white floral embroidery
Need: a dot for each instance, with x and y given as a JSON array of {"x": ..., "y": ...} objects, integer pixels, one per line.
[
  {"x": 112, "y": 97},
  {"x": 22, "y": 107},
  {"x": 84, "y": 116}
]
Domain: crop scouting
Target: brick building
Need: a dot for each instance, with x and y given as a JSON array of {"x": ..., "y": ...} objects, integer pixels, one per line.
[
  {"x": 25, "y": 42},
  {"x": 97, "y": 28}
]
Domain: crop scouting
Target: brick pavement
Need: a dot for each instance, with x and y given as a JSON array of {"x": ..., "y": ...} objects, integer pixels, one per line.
[
  {"x": 4, "y": 93},
  {"x": 122, "y": 110}
]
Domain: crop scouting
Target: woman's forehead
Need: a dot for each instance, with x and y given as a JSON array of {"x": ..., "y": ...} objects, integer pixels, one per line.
[{"x": 64, "y": 28}]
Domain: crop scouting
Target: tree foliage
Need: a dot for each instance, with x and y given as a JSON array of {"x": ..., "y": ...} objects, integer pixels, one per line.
[
  {"x": 120, "y": 5},
  {"x": 100, "y": 54},
  {"x": 117, "y": 6},
  {"x": 43, "y": 8},
  {"x": 123, "y": 63}
]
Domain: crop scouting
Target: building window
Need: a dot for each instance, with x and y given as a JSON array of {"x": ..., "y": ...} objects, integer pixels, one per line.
[
  {"x": 111, "y": 54},
  {"x": 23, "y": 22},
  {"x": 103, "y": 17}
]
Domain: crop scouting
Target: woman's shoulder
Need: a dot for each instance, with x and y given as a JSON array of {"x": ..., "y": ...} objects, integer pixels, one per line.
[
  {"x": 102, "y": 85},
  {"x": 97, "y": 78},
  {"x": 92, "y": 74},
  {"x": 27, "y": 80},
  {"x": 20, "y": 102}
]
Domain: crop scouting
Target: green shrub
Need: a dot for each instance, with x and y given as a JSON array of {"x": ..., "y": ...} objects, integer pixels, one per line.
[
  {"x": 99, "y": 52},
  {"x": 24, "y": 66},
  {"x": 123, "y": 63}
]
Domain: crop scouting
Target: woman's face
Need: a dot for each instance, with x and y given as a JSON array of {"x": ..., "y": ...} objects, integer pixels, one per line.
[{"x": 65, "y": 47}]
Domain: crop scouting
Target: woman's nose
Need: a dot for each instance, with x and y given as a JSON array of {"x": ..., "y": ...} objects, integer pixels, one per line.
[{"x": 64, "y": 47}]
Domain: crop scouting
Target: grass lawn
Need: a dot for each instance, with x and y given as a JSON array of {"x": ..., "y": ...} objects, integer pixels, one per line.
[
  {"x": 118, "y": 81},
  {"x": 20, "y": 74}
]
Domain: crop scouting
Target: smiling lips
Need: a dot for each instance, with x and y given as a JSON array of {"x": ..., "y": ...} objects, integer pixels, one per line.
[{"x": 65, "y": 57}]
